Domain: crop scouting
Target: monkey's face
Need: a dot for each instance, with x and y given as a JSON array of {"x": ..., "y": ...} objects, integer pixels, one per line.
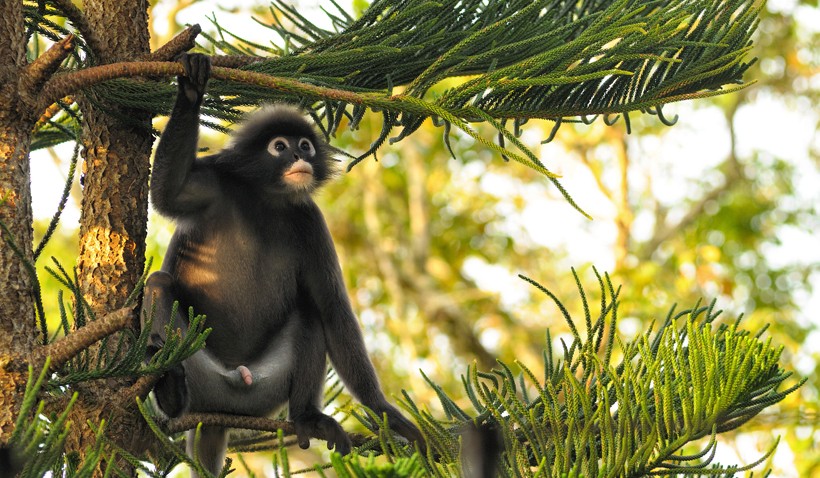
[
  {"x": 278, "y": 153},
  {"x": 297, "y": 157}
]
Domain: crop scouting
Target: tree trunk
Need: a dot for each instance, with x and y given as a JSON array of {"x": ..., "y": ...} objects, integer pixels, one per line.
[
  {"x": 113, "y": 225},
  {"x": 114, "y": 218},
  {"x": 18, "y": 332}
]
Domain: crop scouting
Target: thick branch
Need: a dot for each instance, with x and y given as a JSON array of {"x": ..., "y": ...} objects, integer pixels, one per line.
[
  {"x": 186, "y": 40},
  {"x": 37, "y": 72},
  {"x": 190, "y": 421},
  {"x": 140, "y": 389},
  {"x": 236, "y": 61},
  {"x": 69, "y": 346},
  {"x": 180, "y": 43},
  {"x": 62, "y": 85}
]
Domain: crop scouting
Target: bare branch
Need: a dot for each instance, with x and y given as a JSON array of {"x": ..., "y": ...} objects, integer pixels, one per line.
[
  {"x": 236, "y": 61},
  {"x": 66, "y": 348},
  {"x": 184, "y": 41},
  {"x": 190, "y": 421},
  {"x": 597, "y": 174},
  {"x": 694, "y": 213},
  {"x": 140, "y": 389},
  {"x": 41, "y": 69}
]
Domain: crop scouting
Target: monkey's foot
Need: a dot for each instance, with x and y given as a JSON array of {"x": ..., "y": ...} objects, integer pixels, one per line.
[
  {"x": 321, "y": 426},
  {"x": 401, "y": 425},
  {"x": 171, "y": 392}
]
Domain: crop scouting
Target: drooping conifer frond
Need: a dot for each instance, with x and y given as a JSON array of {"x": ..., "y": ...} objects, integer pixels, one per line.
[{"x": 463, "y": 62}]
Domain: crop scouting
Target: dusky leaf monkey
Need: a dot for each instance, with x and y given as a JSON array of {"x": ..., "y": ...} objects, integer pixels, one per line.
[{"x": 252, "y": 252}]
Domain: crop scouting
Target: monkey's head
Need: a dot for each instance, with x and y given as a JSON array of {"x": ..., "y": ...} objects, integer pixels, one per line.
[{"x": 279, "y": 150}]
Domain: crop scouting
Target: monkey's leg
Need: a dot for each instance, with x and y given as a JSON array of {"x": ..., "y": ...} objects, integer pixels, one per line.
[
  {"x": 213, "y": 441},
  {"x": 306, "y": 392},
  {"x": 171, "y": 390}
]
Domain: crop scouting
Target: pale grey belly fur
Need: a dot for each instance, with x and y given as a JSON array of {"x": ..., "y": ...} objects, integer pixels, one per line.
[{"x": 221, "y": 389}]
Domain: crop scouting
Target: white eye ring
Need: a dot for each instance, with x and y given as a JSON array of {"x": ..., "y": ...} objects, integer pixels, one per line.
[
  {"x": 306, "y": 146},
  {"x": 277, "y": 145}
]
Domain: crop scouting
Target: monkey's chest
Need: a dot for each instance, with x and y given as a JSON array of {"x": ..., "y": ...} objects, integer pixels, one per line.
[{"x": 246, "y": 285}]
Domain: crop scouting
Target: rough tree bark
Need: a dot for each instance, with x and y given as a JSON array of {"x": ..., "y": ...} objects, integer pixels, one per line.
[
  {"x": 114, "y": 210},
  {"x": 113, "y": 224},
  {"x": 115, "y": 197},
  {"x": 18, "y": 332}
]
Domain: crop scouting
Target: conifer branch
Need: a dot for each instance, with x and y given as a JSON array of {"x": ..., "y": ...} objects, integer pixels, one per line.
[
  {"x": 51, "y": 111},
  {"x": 77, "y": 18},
  {"x": 516, "y": 60},
  {"x": 69, "y": 346}
]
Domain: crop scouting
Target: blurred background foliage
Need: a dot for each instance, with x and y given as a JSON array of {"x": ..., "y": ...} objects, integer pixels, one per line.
[{"x": 721, "y": 206}]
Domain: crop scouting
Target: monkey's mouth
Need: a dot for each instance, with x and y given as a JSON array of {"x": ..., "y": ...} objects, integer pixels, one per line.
[{"x": 299, "y": 173}]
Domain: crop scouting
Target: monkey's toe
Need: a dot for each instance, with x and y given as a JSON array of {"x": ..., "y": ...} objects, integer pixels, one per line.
[
  {"x": 401, "y": 425},
  {"x": 323, "y": 427}
]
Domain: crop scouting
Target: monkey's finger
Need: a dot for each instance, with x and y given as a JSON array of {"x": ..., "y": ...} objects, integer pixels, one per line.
[
  {"x": 203, "y": 70},
  {"x": 343, "y": 446},
  {"x": 304, "y": 442},
  {"x": 184, "y": 59}
]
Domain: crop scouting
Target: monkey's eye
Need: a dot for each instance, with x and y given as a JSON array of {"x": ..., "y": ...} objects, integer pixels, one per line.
[
  {"x": 306, "y": 146},
  {"x": 277, "y": 145}
]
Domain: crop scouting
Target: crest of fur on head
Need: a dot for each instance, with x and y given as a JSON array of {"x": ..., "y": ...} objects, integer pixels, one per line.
[{"x": 271, "y": 120}]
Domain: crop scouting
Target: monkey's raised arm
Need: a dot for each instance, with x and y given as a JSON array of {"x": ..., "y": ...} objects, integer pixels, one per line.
[
  {"x": 177, "y": 187},
  {"x": 343, "y": 336}
]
